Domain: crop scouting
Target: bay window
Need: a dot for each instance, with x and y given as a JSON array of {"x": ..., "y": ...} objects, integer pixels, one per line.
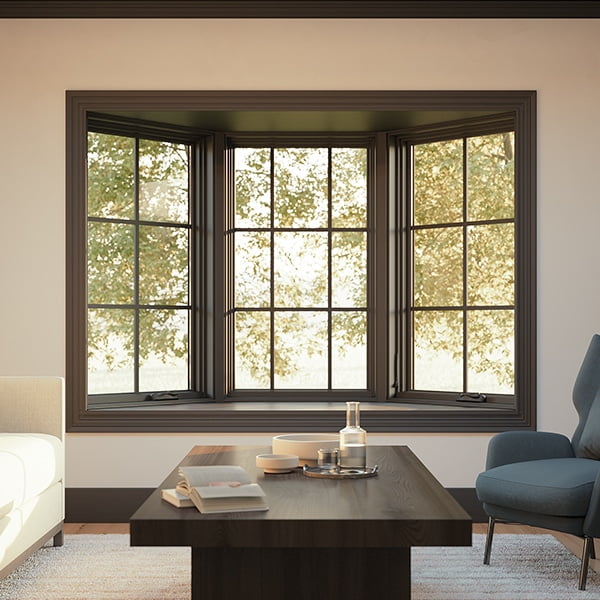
[{"x": 249, "y": 261}]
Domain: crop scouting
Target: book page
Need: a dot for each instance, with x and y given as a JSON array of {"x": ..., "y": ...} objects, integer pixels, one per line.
[
  {"x": 213, "y": 474},
  {"x": 224, "y": 491}
]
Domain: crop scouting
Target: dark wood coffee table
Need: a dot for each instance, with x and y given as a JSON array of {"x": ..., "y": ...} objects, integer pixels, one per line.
[{"x": 321, "y": 539}]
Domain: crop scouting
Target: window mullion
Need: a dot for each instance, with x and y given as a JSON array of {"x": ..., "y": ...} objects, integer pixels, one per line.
[
  {"x": 329, "y": 273},
  {"x": 136, "y": 267},
  {"x": 272, "y": 266},
  {"x": 465, "y": 266},
  {"x": 195, "y": 332}
]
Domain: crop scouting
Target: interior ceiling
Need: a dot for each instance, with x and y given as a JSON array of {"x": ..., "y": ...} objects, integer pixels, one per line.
[{"x": 238, "y": 121}]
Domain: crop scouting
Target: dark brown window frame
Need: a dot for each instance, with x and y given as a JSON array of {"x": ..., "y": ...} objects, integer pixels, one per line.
[
  {"x": 148, "y": 132},
  {"x": 330, "y": 394},
  {"x": 380, "y": 415},
  {"x": 406, "y": 141}
]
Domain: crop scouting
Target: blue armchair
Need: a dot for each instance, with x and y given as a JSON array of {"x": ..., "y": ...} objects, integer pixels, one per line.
[{"x": 546, "y": 480}]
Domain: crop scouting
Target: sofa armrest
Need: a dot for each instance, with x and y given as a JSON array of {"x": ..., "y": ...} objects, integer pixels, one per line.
[
  {"x": 519, "y": 446},
  {"x": 32, "y": 405}
]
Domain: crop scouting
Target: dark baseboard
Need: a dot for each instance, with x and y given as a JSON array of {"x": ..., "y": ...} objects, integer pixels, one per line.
[
  {"x": 467, "y": 498},
  {"x": 116, "y": 505},
  {"x": 103, "y": 505}
]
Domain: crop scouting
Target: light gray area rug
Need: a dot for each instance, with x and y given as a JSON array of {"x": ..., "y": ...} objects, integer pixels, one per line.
[{"x": 88, "y": 567}]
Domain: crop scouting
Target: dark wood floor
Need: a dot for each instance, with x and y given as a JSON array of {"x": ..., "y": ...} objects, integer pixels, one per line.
[{"x": 102, "y": 528}]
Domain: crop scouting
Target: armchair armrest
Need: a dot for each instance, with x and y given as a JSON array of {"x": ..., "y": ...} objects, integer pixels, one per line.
[
  {"x": 32, "y": 405},
  {"x": 591, "y": 524},
  {"x": 519, "y": 446}
]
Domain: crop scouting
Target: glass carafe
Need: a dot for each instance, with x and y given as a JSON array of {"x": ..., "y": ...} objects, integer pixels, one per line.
[{"x": 353, "y": 440}]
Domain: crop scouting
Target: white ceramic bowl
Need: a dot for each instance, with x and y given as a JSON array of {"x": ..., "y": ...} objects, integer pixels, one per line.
[
  {"x": 276, "y": 463},
  {"x": 305, "y": 445}
]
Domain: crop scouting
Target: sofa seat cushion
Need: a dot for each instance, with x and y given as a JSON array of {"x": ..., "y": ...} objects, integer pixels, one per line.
[
  {"x": 29, "y": 464},
  {"x": 557, "y": 486}
]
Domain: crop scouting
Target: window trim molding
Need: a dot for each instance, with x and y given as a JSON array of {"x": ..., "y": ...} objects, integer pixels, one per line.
[{"x": 320, "y": 416}]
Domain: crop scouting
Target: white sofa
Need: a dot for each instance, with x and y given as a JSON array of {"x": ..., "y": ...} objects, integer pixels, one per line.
[{"x": 32, "y": 507}]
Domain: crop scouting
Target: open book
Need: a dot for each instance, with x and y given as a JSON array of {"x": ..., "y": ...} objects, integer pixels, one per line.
[
  {"x": 172, "y": 496},
  {"x": 221, "y": 488}
]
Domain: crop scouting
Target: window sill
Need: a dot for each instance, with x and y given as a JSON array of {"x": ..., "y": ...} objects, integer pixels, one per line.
[{"x": 257, "y": 417}]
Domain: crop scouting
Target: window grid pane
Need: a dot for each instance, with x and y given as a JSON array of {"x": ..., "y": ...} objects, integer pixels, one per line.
[
  {"x": 438, "y": 182},
  {"x": 491, "y": 177},
  {"x": 163, "y": 347},
  {"x": 463, "y": 260},
  {"x": 297, "y": 340},
  {"x": 138, "y": 265},
  {"x": 438, "y": 350},
  {"x": 491, "y": 350},
  {"x": 111, "y": 266},
  {"x": 163, "y": 182},
  {"x": 111, "y": 176},
  {"x": 111, "y": 355},
  {"x": 300, "y": 187}
]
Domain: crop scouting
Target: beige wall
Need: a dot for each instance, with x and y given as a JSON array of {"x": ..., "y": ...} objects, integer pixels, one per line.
[{"x": 40, "y": 59}]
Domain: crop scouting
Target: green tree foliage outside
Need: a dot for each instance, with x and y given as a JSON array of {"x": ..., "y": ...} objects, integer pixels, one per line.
[
  {"x": 300, "y": 264},
  {"x": 463, "y": 256},
  {"x": 301, "y": 252},
  {"x": 153, "y": 278}
]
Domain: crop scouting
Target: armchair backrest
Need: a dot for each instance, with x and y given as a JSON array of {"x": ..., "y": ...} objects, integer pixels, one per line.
[{"x": 586, "y": 385}]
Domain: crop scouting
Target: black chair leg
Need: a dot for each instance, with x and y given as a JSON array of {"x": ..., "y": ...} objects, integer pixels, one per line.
[
  {"x": 488, "y": 541},
  {"x": 588, "y": 543}
]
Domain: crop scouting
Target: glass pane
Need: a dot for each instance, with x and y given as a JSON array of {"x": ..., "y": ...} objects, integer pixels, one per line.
[
  {"x": 252, "y": 187},
  {"x": 301, "y": 187},
  {"x": 438, "y": 350},
  {"x": 349, "y": 350},
  {"x": 110, "y": 263},
  {"x": 491, "y": 264},
  {"x": 438, "y": 182},
  {"x": 300, "y": 350},
  {"x": 164, "y": 265},
  {"x": 349, "y": 187},
  {"x": 252, "y": 269},
  {"x": 491, "y": 177},
  {"x": 300, "y": 269},
  {"x": 438, "y": 267},
  {"x": 111, "y": 176},
  {"x": 252, "y": 350},
  {"x": 349, "y": 269},
  {"x": 164, "y": 350},
  {"x": 491, "y": 351},
  {"x": 163, "y": 176},
  {"x": 110, "y": 351}
]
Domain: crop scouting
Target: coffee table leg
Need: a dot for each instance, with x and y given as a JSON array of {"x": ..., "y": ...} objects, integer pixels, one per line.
[{"x": 300, "y": 573}]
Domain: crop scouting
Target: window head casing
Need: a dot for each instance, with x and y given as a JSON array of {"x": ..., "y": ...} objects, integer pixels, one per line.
[{"x": 371, "y": 111}]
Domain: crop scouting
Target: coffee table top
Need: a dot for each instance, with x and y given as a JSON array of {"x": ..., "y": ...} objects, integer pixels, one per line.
[{"x": 404, "y": 505}]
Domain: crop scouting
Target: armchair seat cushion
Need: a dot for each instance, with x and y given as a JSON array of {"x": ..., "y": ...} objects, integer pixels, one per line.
[{"x": 556, "y": 486}]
